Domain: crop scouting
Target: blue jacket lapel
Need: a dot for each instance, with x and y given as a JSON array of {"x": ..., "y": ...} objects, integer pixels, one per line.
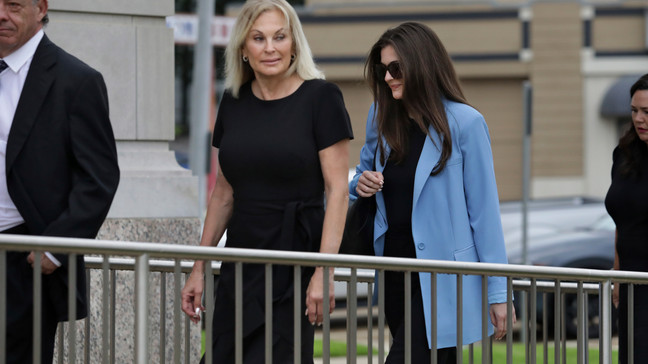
[{"x": 430, "y": 155}]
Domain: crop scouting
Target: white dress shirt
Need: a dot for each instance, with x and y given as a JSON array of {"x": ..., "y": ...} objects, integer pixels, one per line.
[{"x": 12, "y": 81}]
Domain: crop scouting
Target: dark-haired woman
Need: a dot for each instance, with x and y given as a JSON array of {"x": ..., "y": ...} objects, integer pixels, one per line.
[
  {"x": 627, "y": 204},
  {"x": 435, "y": 189}
]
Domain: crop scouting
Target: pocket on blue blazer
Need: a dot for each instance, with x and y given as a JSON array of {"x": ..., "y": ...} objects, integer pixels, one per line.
[{"x": 467, "y": 254}]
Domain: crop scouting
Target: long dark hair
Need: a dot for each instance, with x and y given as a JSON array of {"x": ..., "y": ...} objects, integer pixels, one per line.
[
  {"x": 428, "y": 77},
  {"x": 631, "y": 147}
]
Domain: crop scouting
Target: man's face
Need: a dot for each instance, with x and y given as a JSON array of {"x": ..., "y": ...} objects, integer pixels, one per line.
[{"x": 19, "y": 21}]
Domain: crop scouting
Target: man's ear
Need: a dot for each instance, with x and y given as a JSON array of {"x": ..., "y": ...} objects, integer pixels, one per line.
[{"x": 43, "y": 6}]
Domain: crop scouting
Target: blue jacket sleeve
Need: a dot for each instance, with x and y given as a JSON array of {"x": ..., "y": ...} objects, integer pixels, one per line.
[
  {"x": 482, "y": 200},
  {"x": 366, "y": 153}
]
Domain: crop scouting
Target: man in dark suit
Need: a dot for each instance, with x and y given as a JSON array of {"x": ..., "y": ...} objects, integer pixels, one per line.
[{"x": 58, "y": 167}]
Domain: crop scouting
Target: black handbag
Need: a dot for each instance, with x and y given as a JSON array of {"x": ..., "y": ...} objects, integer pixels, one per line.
[{"x": 358, "y": 230}]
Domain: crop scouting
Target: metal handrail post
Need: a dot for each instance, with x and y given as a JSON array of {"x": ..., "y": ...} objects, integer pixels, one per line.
[
  {"x": 72, "y": 309},
  {"x": 606, "y": 322},
  {"x": 631, "y": 333},
  {"x": 38, "y": 306},
  {"x": 509, "y": 320},
  {"x": 381, "y": 316},
  {"x": 433, "y": 319},
  {"x": 533, "y": 303},
  {"x": 557, "y": 314},
  {"x": 484, "y": 321},
  {"x": 208, "y": 297},
  {"x": 459, "y": 318},
  {"x": 581, "y": 318},
  {"x": 163, "y": 326},
  {"x": 268, "y": 313},
  {"x": 177, "y": 309},
  {"x": 238, "y": 313},
  {"x": 326, "y": 337},
  {"x": 141, "y": 309},
  {"x": 408, "y": 317},
  {"x": 297, "y": 315},
  {"x": 352, "y": 317}
]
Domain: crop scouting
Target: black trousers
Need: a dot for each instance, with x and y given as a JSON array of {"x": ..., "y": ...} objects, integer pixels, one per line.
[
  {"x": 20, "y": 310},
  {"x": 401, "y": 244},
  {"x": 395, "y": 315}
]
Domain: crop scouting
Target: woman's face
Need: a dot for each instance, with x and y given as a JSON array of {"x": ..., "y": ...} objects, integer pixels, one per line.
[
  {"x": 268, "y": 45},
  {"x": 639, "y": 105},
  {"x": 389, "y": 61}
]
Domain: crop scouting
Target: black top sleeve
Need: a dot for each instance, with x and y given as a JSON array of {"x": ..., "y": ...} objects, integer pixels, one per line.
[
  {"x": 218, "y": 126},
  {"x": 331, "y": 120}
]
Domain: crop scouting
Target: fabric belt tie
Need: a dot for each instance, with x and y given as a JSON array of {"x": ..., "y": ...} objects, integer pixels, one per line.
[{"x": 292, "y": 219}]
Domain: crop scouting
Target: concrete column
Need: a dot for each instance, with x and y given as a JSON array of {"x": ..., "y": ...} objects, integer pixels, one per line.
[{"x": 157, "y": 200}]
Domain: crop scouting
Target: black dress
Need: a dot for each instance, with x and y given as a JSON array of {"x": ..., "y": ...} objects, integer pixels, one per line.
[
  {"x": 627, "y": 204},
  {"x": 268, "y": 151},
  {"x": 398, "y": 193}
]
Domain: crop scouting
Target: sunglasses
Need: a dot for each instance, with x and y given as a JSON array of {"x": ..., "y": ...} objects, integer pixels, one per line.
[{"x": 393, "y": 68}]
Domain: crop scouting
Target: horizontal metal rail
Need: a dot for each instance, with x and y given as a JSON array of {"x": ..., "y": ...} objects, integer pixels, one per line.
[
  {"x": 173, "y": 251},
  {"x": 177, "y": 261}
]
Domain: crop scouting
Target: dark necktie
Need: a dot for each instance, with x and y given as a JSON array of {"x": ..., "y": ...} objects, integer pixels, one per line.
[{"x": 3, "y": 66}]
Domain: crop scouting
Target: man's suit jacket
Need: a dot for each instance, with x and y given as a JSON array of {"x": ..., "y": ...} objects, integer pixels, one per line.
[
  {"x": 455, "y": 217},
  {"x": 61, "y": 160}
]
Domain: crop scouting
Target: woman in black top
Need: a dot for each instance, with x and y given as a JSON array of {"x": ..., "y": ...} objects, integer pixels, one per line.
[
  {"x": 283, "y": 135},
  {"x": 627, "y": 203}
]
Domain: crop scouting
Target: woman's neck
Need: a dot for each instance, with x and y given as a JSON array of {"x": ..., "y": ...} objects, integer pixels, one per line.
[{"x": 275, "y": 88}]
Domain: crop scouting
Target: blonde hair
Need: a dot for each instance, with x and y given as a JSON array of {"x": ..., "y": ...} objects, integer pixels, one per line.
[{"x": 238, "y": 72}]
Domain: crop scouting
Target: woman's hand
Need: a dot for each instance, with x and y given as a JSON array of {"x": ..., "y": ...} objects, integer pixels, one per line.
[
  {"x": 315, "y": 296},
  {"x": 369, "y": 183},
  {"x": 498, "y": 318},
  {"x": 615, "y": 294},
  {"x": 192, "y": 294}
]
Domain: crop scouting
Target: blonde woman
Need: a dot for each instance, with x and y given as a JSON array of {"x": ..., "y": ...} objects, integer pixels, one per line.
[{"x": 283, "y": 139}]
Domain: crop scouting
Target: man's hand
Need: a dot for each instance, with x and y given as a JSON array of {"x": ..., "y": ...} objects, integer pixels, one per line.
[{"x": 47, "y": 266}]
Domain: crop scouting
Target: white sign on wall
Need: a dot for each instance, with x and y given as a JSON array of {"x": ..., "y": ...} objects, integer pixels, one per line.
[{"x": 185, "y": 29}]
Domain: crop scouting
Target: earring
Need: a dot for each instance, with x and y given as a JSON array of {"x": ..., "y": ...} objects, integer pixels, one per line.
[
  {"x": 245, "y": 59},
  {"x": 292, "y": 57}
]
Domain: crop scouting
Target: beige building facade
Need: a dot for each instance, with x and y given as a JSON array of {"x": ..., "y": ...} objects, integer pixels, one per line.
[{"x": 571, "y": 52}]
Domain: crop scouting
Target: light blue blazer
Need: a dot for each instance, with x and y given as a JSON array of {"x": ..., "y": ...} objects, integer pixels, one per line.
[{"x": 455, "y": 216}]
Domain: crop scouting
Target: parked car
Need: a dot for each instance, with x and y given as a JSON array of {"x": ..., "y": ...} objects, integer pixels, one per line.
[
  {"x": 547, "y": 217},
  {"x": 590, "y": 246}
]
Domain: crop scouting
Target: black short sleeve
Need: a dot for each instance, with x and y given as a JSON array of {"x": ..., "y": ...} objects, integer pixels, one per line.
[
  {"x": 615, "y": 160},
  {"x": 331, "y": 120},
  {"x": 218, "y": 126}
]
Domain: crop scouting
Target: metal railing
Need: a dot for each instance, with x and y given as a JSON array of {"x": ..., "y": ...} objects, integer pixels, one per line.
[{"x": 107, "y": 258}]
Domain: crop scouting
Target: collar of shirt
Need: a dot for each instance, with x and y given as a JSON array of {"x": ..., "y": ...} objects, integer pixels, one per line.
[{"x": 19, "y": 58}]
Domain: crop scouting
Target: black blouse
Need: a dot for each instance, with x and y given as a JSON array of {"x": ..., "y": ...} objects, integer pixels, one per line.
[{"x": 398, "y": 189}]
